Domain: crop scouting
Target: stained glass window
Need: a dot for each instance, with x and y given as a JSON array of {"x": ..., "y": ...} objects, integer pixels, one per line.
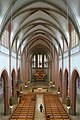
[
  {"x": 34, "y": 61},
  {"x": 39, "y": 60},
  {"x": 74, "y": 38},
  {"x": 5, "y": 39}
]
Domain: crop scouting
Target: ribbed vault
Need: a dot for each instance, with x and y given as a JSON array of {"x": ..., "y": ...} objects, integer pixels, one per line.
[{"x": 41, "y": 23}]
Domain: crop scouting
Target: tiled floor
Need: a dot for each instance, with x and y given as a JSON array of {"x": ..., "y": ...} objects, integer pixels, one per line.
[{"x": 38, "y": 114}]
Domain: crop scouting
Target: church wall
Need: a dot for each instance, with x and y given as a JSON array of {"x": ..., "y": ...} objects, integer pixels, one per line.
[
  {"x": 4, "y": 59},
  {"x": 66, "y": 64},
  {"x": 13, "y": 61},
  {"x": 74, "y": 63},
  {"x": 4, "y": 63},
  {"x": 60, "y": 62}
]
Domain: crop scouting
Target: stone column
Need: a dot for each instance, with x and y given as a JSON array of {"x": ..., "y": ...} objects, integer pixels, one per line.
[
  {"x": 43, "y": 61},
  {"x": 10, "y": 80},
  {"x": 63, "y": 81},
  {"x": 53, "y": 75},
  {"x": 56, "y": 68},
  {"x": 6, "y": 100}
]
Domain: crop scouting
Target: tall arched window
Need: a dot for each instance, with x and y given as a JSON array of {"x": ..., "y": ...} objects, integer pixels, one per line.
[
  {"x": 34, "y": 61},
  {"x": 5, "y": 39},
  {"x": 40, "y": 60},
  {"x": 74, "y": 38}
]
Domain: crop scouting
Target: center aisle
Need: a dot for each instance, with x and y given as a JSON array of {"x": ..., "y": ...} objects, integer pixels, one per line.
[{"x": 39, "y": 115}]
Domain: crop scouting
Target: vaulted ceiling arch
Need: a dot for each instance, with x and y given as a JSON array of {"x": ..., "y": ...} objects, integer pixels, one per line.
[
  {"x": 45, "y": 34},
  {"x": 27, "y": 24},
  {"x": 25, "y": 17},
  {"x": 28, "y": 3},
  {"x": 39, "y": 31},
  {"x": 38, "y": 40},
  {"x": 42, "y": 48}
]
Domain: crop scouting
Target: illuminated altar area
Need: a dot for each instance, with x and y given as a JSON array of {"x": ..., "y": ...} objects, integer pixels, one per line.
[
  {"x": 40, "y": 75},
  {"x": 40, "y": 69}
]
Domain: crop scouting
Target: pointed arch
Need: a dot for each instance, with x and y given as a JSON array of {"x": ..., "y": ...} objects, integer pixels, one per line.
[
  {"x": 74, "y": 77},
  {"x": 4, "y": 77}
]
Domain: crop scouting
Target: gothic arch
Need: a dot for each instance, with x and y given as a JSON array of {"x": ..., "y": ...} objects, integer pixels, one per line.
[
  {"x": 74, "y": 77},
  {"x": 4, "y": 76}
]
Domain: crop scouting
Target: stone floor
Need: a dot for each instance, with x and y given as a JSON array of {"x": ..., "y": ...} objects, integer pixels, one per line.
[{"x": 38, "y": 114}]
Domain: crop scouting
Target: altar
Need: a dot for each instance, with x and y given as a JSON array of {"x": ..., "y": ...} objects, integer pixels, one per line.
[{"x": 39, "y": 75}]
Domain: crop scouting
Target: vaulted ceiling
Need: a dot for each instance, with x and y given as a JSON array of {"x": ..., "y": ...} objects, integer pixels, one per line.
[{"x": 39, "y": 24}]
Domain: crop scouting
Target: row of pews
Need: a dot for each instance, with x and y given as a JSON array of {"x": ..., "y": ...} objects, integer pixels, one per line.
[
  {"x": 54, "y": 109},
  {"x": 25, "y": 109}
]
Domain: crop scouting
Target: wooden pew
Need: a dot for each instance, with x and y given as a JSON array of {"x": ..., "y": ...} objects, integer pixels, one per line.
[
  {"x": 25, "y": 110},
  {"x": 54, "y": 109}
]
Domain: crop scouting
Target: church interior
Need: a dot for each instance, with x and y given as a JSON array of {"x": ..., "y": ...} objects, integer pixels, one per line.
[{"x": 39, "y": 60}]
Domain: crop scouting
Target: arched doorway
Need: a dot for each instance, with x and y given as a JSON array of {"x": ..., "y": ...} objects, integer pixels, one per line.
[
  {"x": 14, "y": 93},
  {"x": 65, "y": 85},
  {"x": 4, "y": 77},
  {"x": 75, "y": 81},
  {"x": 60, "y": 81}
]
